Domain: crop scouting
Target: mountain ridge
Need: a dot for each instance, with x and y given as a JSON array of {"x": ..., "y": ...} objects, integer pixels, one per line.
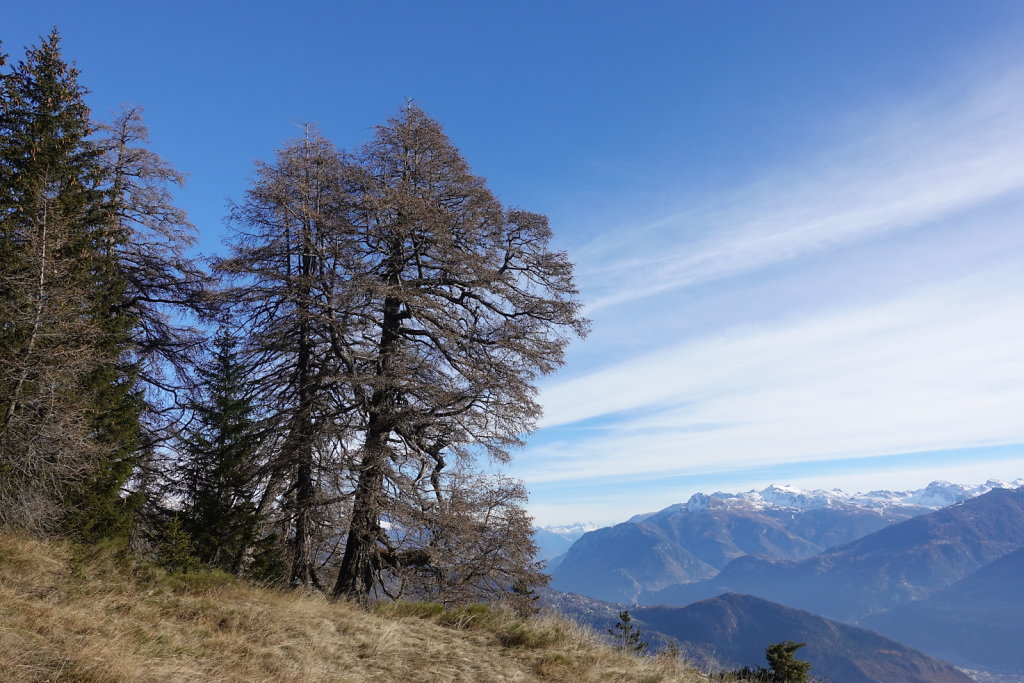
[{"x": 906, "y": 561}]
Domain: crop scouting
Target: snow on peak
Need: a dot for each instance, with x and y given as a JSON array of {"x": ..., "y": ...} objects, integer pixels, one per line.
[
  {"x": 791, "y": 497},
  {"x": 698, "y": 501},
  {"x": 935, "y": 495},
  {"x": 571, "y": 531}
]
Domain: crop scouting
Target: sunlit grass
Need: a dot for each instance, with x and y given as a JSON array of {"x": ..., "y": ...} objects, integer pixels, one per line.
[{"x": 73, "y": 615}]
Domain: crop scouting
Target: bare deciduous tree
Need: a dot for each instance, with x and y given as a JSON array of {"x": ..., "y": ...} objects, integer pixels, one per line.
[
  {"x": 458, "y": 307},
  {"x": 468, "y": 540},
  {"x": 162, "y": 280},
  {"x": 283, "y": 257},
  {"x": 399, "y": 318}
]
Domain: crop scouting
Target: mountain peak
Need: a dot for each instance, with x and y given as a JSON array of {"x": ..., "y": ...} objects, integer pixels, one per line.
[
  {"x": 697, "y": 502},
  {"x": 937, "y": 494}
]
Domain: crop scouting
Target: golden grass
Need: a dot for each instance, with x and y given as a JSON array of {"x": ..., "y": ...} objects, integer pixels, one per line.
[{"x": 97, "y": 618}]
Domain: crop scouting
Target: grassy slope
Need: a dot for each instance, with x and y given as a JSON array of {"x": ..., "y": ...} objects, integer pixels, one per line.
[{"x": 72, "y": 618}]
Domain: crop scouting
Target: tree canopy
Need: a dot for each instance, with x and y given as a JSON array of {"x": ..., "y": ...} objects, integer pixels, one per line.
[{"x": 383, "y": 321}]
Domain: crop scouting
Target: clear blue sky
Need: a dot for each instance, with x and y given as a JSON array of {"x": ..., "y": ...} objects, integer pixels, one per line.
[{"x": 798, "y": 225}]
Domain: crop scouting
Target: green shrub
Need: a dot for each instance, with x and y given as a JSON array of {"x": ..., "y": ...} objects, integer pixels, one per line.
[{"x": 175, "y": 553}]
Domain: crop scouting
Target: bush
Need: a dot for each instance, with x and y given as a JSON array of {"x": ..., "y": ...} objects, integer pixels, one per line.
[{"x": 175, "y": 553}]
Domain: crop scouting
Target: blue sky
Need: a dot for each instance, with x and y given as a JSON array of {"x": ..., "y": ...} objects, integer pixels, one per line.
[{"x": 797, "y": 225}]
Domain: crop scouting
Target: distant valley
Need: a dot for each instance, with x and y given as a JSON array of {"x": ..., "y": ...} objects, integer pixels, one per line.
[{"x": 937, "y": 569}]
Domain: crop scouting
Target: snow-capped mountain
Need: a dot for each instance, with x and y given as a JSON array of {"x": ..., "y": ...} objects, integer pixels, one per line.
[
  {"x": 554, "y": 540},
  {"x": 694, "y": 540},
  {"x": 937, "y": 494}
]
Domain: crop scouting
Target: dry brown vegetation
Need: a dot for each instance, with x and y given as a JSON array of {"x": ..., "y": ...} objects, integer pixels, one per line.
[{"x": 73, "y": 615}]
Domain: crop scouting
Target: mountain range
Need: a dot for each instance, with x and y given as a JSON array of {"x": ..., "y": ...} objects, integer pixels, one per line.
[
  {"x": 694, "y": 541},
  {"x": 945, "y": 581},
  {"x": 907, "y": 561},
  {"x": 553, "y": 541}
]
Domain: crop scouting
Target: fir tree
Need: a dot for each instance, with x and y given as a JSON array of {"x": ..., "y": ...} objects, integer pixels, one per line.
[
  {"x": 90, "y": 257},
  {"x": 70, "y": 410},
  {"x": 219, "y": 461},
  {"x": 786, "y": 668}
]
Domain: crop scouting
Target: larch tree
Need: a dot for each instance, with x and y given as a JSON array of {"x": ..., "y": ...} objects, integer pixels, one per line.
[
  {"x": 163, "y": 284},
  {"x": 455, "y": 306},
  {"x": 282, "y": 262},
  {"x": 397, "y": 318},
  {"x": 159, "y": 288},
  {"x": 473, "y": 543}
]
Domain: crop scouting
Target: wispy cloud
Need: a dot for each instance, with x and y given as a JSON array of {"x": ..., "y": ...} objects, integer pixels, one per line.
[
  {"x": 940, "y": 368},
  {"x": 905, "y": 169},
  {"x": 896, "y": 263}
]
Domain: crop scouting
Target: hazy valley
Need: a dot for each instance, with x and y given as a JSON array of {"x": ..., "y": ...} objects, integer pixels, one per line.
[{"x": 937, "y": 569}]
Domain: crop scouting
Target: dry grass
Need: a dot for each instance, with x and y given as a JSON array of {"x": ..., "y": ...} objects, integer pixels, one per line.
[{"x": 98, "y": 618}]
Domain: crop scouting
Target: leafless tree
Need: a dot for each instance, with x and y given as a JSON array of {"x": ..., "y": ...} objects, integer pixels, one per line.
[
  {"x": 283, "y": 262},
  {"x": 400, "y": 317},
  {"x": 456, "y": 307},
  {"x": 162, "y": 280},
  {"x": 473, "y": 542}
]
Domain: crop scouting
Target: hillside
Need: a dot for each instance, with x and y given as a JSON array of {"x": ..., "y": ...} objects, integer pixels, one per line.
[
  {"x": 73, "y": 617},
  {"x": 976, "y": 622},
  {"x": 732, "y": 630}
]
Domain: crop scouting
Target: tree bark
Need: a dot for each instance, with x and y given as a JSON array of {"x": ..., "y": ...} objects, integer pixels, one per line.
[
  {"x": 361, "y": 559},
  {"x": 362, "y": 555}
]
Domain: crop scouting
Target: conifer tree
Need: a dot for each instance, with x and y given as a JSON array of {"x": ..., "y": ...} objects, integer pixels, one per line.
[
  {"x": 91, "y": 256},
  {"x": 284, "y": 263},
  {"x": 457, "y": 305},
  {"x": 400, "y": 316},
  {"x": 785, "y": 667},
  {"x": 628, "y": 635},
  {"x": 219, "y": 461},
  {"x": 70, "y": 413}
]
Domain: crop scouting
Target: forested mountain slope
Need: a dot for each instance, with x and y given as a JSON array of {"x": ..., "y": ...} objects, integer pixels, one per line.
[
  {"x": 731, "y": 630},
  {"x": 976, "y": 622}
]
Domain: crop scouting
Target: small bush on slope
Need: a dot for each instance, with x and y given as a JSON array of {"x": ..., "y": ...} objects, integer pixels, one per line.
[{"x": 96, "y": 616}]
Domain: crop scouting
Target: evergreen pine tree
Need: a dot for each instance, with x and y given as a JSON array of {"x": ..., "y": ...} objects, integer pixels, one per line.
[
  {"x": 786, "y": 668},
  {"x": 219, "y": 461},
  {"x": 69, "y": 406},
  {"x": 627, "y": 634},
  {"x": 175, "y": 550}
]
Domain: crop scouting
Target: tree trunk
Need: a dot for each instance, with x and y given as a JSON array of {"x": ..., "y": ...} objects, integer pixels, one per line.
[
  {"x": 303, "y": 562},
  {"x": 362, "y": 556}
]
